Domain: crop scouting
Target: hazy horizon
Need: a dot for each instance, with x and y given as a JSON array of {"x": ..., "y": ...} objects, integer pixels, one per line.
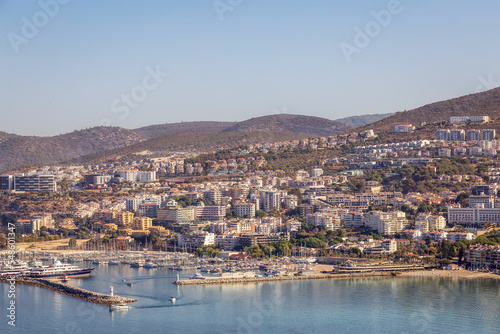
[{"x": 72, "y": 64}]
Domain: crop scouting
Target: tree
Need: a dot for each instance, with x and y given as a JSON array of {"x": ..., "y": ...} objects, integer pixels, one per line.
[
  {"x": 260, "y": 213},
  {"x": 342, "y": 233},
  {"x": 72, "y": 243}
]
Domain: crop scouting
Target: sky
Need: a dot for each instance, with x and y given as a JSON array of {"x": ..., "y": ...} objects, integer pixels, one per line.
[{"x": 74, "y": 64}]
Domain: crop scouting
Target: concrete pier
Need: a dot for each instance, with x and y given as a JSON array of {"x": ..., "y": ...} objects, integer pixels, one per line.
[
  {"x": 90, "y": 296},
  {"x": 221, "y": 280}
]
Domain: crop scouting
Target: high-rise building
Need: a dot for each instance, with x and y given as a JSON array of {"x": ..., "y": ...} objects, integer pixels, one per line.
[
  {"x": 488, "y": 134},
  {"x": 270, "y": 200},
  {"x": 7, "y": 182},
  {"x": 473, "y": 135},
  {"x": 443, "y": 135},
  {"x": 457, "y": 134}
]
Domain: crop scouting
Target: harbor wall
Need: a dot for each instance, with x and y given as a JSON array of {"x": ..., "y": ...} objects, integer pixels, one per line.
[
  {"x": 222, "y": 280},
  {"x": 90, "y": 296}
]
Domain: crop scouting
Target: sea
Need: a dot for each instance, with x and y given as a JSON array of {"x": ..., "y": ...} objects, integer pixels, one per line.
[{"x": 359, "y": 305}]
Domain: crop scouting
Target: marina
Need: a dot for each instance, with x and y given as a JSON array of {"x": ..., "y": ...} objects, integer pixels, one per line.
[{"x": 281, "y": 306}]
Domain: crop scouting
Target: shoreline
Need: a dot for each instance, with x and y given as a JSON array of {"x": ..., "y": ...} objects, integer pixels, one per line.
[
  {"x": 87, "y": 295},
  {"x": 460, "y": 274}
]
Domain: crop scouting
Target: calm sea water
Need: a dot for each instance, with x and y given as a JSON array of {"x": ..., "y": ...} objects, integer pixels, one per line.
[{"x": 369, "y": 305}]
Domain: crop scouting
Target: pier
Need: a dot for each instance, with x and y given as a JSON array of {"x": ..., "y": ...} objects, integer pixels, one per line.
[
  {"x": 223, "y": 280},
  {"x": 90, "y": 296}
]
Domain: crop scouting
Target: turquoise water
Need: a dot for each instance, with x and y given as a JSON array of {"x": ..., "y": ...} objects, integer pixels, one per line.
[{"x": 367, "y": 305}]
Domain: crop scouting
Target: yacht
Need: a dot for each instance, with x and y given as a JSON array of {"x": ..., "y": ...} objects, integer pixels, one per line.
[
  {"x": 18, "y": 268},
  {"x": 197, "y": 276},
  {"x": 120, "y": 306},
  {"x": 58, "y": 269}
]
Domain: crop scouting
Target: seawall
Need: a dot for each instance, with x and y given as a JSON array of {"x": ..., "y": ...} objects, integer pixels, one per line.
[
  {"x": 90, "y": 296},
  {"x": 220, "y": 280}
]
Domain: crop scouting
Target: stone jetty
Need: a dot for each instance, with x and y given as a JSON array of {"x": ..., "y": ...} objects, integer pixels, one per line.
[
  {"x": 90, "y": 296},
  {"x": 223, "y": 280}
]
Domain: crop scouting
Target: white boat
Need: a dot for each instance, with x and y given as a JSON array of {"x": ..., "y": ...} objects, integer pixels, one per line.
[
  {"x": 150, "y": 265},
  {"x": 120, "y": 306},
  {"x": 197, "y": 276},
  {"x": 173, "y": 299},
  {"x": 58, "y": 269}
]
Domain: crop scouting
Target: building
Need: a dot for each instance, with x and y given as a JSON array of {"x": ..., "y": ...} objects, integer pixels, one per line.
[
  {"x": 473, "y": 135},
  {"x": 142, "y": 223},
  {"x": 244, "y": 210},
  {"x": 213, "y": 196},
  {"x": 146, "y": 176},
  {"x": 488, "y": 134},
  {"x": 477, "y": 257},
  {"x": 147, "y": 210},
  {"x": 316, "y": 172},
  {"x": 34, "y": 183},
  {"x": 404, "y": 128},
  {"x": 387, "y": 223},
  {"x": 7, "y": 182},
  {"x": 37, "y": 222},
  {"x": 196, "y": 240},
  {"x": 465, "y": 119},
  {"x": 482, "y": 201},
  {"x": 177, "y": 214},
  {"x": 444, "y": 153},
  {"x": 473, "y": 216},
  {"x": 130, "y": 175},
  {"x": 443, "y": 135},
  {"x": 210, "y": 213},
  {"x": 125, "y": 218},
  {"x": 457, "y": 135},
  {"x": 270, "y": 200},
  {"x": 354, "y": 219}
]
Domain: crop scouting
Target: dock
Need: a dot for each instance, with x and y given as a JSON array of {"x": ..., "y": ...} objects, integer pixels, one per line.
[
  {"x": 222, "y": 280},
  {"x": 90, "y": 296}
]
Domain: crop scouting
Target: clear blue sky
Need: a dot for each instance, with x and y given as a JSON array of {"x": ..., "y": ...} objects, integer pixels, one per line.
[{"x": 240, "y": 60}]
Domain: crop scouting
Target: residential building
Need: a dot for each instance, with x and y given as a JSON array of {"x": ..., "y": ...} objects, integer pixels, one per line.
[{"x": 244, "y": 210}]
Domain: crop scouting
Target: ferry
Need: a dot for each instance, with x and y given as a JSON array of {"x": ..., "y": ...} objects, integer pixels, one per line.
[{"x": 58, "y": 269}]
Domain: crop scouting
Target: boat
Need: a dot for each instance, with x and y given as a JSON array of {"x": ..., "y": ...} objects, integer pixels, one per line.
[
  {"x": 173, "y": 299},
  {"x": 113, "y": 263},
  {"x": 137, "y": 264},
  {"x": 19, "y": 268},
  {"x": 150, "y": 265},
  {"x": 120, "y": 306},
  {"x": 129, "y": 283},
  {"x": 57, "y": 269},
  {"x": 197, "y": 276}
]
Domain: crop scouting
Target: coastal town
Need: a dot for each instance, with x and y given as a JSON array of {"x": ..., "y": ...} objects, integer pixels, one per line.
[{"x": 430, "y": 202}]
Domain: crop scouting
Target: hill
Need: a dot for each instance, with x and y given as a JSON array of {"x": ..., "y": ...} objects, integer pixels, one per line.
[
  {"x": 19, "y": 151},
  {"x": 159, "y": 130},
  {"x": 189, "y": 142},
  {"x": 357, "y": 121},
  {"x": 478, "y": 104},
  {"x": 311, "y": 125}
]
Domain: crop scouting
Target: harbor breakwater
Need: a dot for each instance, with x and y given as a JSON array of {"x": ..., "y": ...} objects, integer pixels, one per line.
[
  {"x": 222, "y": 280},
  {"x": 90, "y": 296}
]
